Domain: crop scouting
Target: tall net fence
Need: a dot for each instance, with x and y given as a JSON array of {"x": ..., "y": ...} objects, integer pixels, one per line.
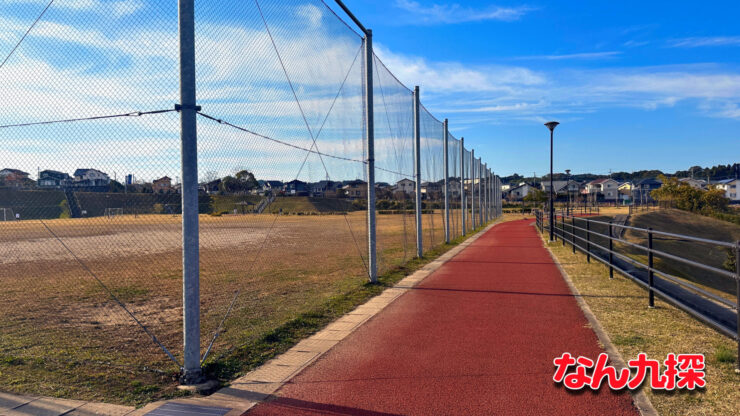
[
  {"x": 91, "y": 208},
  {"x": 455, "y": 186},
  {"x": 394, "y": 162},
  {"x": 432, "y": 178}
]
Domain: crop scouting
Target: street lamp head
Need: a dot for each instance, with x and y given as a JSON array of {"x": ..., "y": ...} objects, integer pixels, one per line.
[{"x": 551, "y": 125}]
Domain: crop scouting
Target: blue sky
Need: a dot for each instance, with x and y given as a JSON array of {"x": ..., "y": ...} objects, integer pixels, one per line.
[{"x": 636, "y": 85}]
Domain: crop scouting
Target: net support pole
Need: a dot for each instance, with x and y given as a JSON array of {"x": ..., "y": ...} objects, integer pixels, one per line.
[
  {"x": 463, "y": 208},
  {"x": 372, "y": 260},
  {"x": 480, "y": 191},
  {"x": 447, "y": 181},
  {"x": 487, "y": 191},
  {"x": 472, "y": 188},
  {"x": 417, "y": 172},
  {"x": 191, "y": 371}
]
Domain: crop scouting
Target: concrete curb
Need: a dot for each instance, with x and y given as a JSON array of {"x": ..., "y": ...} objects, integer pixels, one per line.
[{"x": 641, "y": 401}]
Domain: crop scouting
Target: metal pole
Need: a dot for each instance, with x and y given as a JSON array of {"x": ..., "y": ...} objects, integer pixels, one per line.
[
  {"x": 588, "y": 240},
  {"x": 463, "y": 208},
  {"x": 611, "y": 251},
  {"x": 737, "y": 288},
  {"x": 191, "y": 372},
  {"x": 372, "y": 258},
  {"x": 417, "y": 171},
  {"x": 480, "y": 193},
  {"x": 472, "y": 187},
  {"x": 447, "y": 181},
  {"x": 552, "y": 206},
  {"x": 573, "y": 230},
  {"x": 651, "y": 295}
]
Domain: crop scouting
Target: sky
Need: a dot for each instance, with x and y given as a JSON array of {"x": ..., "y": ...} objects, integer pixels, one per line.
[
  {"x": 648, "y": 85},
  {"x": 635, "y": 85}
]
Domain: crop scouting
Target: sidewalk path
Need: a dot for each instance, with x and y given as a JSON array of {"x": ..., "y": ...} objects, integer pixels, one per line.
[{"x": 477, "y": 337}]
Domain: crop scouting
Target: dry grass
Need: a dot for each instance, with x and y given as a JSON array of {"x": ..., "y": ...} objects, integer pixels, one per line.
[
  {"x": 62, "y": 335},
  {"x": 621, "y": 307},
  {"x": 686, "y": 223}
]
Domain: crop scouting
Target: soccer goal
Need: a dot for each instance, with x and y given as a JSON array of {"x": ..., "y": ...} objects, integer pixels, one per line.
[
  {"x": 7, "y": 214},
  {"x": 113, "y": 212}
]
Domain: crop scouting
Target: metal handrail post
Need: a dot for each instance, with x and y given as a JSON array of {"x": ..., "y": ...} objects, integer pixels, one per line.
[
  {"x": 611, "y": 251},
  {"x": 588, "y": 241},
  {"x": 573, "y": 237},
  {"x": 651, "y": 294}
]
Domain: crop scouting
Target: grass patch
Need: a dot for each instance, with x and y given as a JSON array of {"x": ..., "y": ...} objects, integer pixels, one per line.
[
  {"x": 621, "y": 307},
  {"x": 723, "y": 354}
]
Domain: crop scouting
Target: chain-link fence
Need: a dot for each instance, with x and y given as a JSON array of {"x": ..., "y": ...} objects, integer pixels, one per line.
[{"x": 91, "y": 191}]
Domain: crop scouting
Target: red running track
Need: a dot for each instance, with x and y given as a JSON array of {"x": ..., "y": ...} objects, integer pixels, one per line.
[{"x": 477, "y": 337}]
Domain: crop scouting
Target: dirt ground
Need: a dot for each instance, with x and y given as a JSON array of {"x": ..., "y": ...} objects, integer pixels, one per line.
[{"x": 59, "y": 316}]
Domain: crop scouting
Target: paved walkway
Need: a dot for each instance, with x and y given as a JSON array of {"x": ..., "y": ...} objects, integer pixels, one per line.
[{"x": 476, "y": 337}]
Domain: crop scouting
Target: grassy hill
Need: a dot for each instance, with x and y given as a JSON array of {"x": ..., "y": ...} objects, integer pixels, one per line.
[
  {"x": 686, "y": 223},
  {"x": 32, "y": 204},
  {"x": 227, "y": 203},
  {"x": 303, "y": 204}
]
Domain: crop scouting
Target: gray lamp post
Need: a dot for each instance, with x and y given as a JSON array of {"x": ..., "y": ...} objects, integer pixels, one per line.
[
  {"x": 551, "y": 125},
  {"x": 567, "y": 189}
]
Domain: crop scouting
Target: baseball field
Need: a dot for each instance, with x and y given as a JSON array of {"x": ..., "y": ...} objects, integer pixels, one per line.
[{"x": 64, "y": 284}]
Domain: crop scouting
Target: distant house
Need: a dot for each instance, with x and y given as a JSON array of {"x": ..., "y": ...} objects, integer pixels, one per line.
[
  {"x": 90, "y": 178},
  {"x": 162, "y": 185},
  {"x": 296, "y": 188},
  {"x": 505, "y": 187},
  {"x": 606, "y": 188},
  {"x": 356, "y": 189},
  {"x": 454, "y": 188},
  {"x": 694, "y": 183},
  {"x": 641, "y": 190},
  {"x": 211, "y": 187},
  {"x": 625, "y": 191},
  {"x": 13, "y": 178},
  {"x": 561, "y": 187},
  {"x": 271, "y": 186},
  {"x": 519, "y": 192},
  {"x": 324, "y": 188},
  {"x": 432, "y": 190},
  {"x": 731, "y": 188},
  {"x": 51, "y": 179},
  {"x": 406, "y": 186}
]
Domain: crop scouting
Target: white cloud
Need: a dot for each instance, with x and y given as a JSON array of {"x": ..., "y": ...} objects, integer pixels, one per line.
[
  {"x": 697, "y": 42},
  {"x": 455, "y": 13},
  {"x": 441, "y": 77},
  {"x": 127, "y": 7},
  {"x": 586, "y": 55}
]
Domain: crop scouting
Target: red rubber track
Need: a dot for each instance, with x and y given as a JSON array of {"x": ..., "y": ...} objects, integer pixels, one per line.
[{"x": 477, "y": 337}]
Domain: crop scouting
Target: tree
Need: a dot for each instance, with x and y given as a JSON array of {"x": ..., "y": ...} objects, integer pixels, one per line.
[
  {"x": 536, "y": 197},
  {"x": 714, "y": 200},
  {"x": 116, "y": 187},
  {"x": 247, "y": 179}
]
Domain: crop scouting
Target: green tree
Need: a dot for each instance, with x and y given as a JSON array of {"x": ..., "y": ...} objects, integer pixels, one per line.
[{"x": 536, "y": 196}]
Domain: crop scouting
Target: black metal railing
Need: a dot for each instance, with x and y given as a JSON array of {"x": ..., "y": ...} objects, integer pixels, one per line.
[{"x": 601, "y": 240}]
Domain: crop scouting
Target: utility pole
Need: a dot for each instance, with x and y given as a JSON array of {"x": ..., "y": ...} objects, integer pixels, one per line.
[{"x": 191, "y": 372}]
